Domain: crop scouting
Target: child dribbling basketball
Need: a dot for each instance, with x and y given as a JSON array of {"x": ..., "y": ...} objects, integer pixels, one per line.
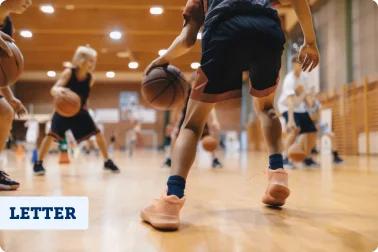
[
  {"x": 8, "y": 103},
  {"x": 247, "y": 33},
  {"x": 78, "y": 79}
]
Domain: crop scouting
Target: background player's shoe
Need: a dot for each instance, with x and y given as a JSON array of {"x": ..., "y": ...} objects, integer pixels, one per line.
[
  {"x": 38, "y": 169},
  {"x": 6, "y": 183},
  {"x": 167, "y": 163},
  {"x": 310, "y": 163},
  {"x": 216, "y": 163},
  {"x": 164, "y": 213},
  {"x": 336, "y": 158},
  {"x": 278, "y": 190},
  {"x": 314, "y": 151},
  {"x": 287, "y": 164},
  {"x": 109, "y": 165}
]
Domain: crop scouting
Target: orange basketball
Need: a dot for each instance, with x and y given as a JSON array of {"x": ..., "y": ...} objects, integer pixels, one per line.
[
  {"x": 67, "y": 104},
  {"x": 296, "y": 153},
  {"x": 209, "y": 143},
  {"x": 11, "y": 67},
  {"x": 164, "y": 87}
]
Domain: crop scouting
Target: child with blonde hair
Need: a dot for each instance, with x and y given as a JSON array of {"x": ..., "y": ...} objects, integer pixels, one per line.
[{"x": 79, "y": 79}]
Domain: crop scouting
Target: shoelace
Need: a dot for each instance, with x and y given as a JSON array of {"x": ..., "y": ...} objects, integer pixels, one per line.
[{"x": 4, "y": 176}]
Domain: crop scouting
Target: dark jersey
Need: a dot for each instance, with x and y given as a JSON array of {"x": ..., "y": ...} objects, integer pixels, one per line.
[
  {"x": 7, "y": 26},
  {"x": 81, "y": 88},
  {"x": 211, "y": 12}
]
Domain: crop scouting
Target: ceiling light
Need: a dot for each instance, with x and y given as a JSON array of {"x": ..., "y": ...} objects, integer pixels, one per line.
[
  {"x": 51, "y": 74},
  {"x": 162, "y": 52},
  {"x": 115, "y": 35},
  {"x": 156, "y": 10},
  {"x": 133, "y": 65},
  {"x": 195, "y": 65},
  {"x": 199, "y": 35},
  {"x": 123, "y": 54},
  {"x": 47, "y": 8},
  {"x": 26, "y": 33},
  {"x": 110, "y": 74},
  {"x": 69, "y": 7}
]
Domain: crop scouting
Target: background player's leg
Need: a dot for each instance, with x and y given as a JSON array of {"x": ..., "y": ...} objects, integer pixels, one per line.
[
  {"x": 45, "y": 147},
  {"x": 289, "y": 140},
  {"x": 308, "y": 142},
  {"x": 185, "y": 147},
  {"x": 108, "y": 164},
  {"x": 100, "y": 139}
]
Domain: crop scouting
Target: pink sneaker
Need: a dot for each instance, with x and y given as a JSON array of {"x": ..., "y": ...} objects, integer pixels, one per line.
[
  {"x": 277, "y": 190},
  {"x": 164, "y": 213}
]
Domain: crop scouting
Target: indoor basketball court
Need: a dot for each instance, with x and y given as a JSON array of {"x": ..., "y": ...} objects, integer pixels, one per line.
[{"x": 200, "y": 125}]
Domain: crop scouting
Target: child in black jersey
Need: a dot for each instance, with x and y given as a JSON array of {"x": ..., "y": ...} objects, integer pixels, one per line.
[
  {"x": 238, "y": 36},
  {"x": 78, "y": 79},
  {"x": 8, "y": 103}
]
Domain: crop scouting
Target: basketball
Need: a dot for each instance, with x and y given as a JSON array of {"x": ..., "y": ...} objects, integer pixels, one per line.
[
  {"x": 209, "y": 143},
  {"x": 164, "y": 87},
  {"x": 68, "y": 104},
  {"x": 11, "y": 67},
  {"x": 296, "y": 153}
]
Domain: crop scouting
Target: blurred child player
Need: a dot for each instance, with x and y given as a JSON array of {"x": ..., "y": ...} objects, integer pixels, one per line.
[{"x": 79, "y": 79}]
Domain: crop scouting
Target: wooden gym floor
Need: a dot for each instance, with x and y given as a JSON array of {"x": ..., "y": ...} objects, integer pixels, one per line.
[{"x": 330, "y": 209}]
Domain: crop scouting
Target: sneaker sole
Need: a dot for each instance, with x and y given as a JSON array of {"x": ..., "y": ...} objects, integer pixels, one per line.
[
  {"x": 40, "y": 173},
  {"x": 277, "y": 195},
  {"x": 117, "y": 171},
  {"x": 8, "y": 187},
  {"x": 167, "y": 223}
]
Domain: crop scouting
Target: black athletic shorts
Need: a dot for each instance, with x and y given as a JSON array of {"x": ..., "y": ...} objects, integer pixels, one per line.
[
  {"x": 303, "y": 122},
  {"x": 81, "y": 125},
  {"x": 241, "y": 43}
]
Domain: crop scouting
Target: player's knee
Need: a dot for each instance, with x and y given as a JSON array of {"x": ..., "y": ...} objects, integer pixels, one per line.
[
  {"x": 264, "y": 105},
  {"x": 195, "y": 127}
]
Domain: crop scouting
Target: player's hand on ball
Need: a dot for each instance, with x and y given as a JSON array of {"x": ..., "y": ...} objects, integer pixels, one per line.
[
  {"x": 155, "y": 63},
  {"x": 4, "y": 38},
  {"x": 18, "y": 107},
  {"x": 309, "y": 56},
  {"x": 59, "y": 91}
]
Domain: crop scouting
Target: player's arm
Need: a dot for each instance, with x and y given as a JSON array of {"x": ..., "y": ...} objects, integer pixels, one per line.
[
  {"x": 194, "y": 17},
  {"x": 91, "y": 84},
  {"x": 61, "y": 83},
  {"x": 308, "y": 54}
]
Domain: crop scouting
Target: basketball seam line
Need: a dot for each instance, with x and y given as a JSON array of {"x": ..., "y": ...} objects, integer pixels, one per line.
[
  {"x": 4, "y": 74},
  {"x": 162, "y": 91}
]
